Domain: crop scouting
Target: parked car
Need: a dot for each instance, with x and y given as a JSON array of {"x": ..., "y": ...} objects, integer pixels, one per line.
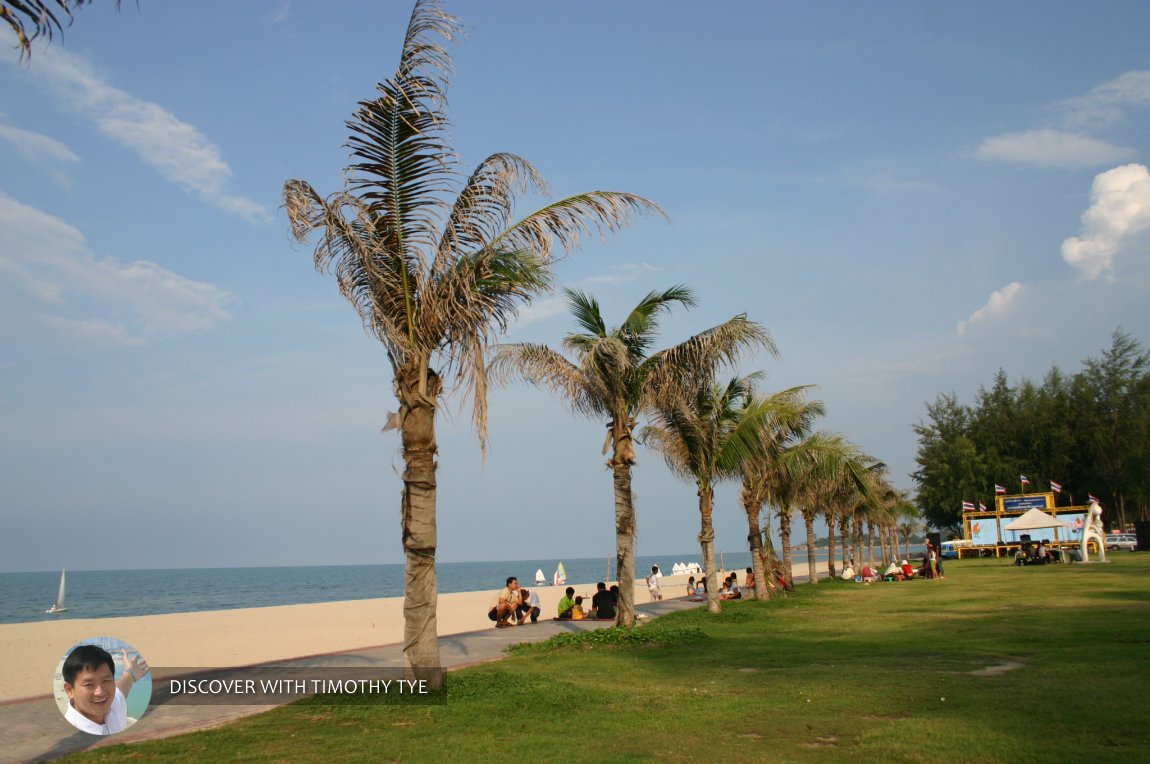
[{"x": 1121, "y": 541}]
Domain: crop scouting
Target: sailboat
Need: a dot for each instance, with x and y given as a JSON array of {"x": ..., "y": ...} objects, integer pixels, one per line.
[
  {"x": 540, "y": 579},
  {"x": 58, "y": 605},
  {"x": 560, "y": 575}
]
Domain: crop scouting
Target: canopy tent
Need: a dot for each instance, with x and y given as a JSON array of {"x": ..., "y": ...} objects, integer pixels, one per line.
[{"x": 1034, "y": 520}]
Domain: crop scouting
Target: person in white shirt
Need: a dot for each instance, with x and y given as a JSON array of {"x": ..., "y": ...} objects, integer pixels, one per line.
[
  {"x": 653, "y": 584},
  {"x": 97, "y": 701}
]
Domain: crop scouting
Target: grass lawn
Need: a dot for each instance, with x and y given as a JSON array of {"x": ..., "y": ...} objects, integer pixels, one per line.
[{"x": 992, "y": 663}]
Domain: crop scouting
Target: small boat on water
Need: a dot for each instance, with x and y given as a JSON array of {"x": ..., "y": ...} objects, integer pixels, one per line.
[
  {"x": 560, "y": 575},
  {"x": 58, "y": 605},
  {"x": 540, "y": 579}
]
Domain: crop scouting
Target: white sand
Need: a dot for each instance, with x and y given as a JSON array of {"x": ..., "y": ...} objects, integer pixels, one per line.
[{"x": 223, "y": 638}]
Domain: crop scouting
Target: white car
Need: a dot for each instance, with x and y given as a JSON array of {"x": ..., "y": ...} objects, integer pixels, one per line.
[{"x": 1121, "y": 541}]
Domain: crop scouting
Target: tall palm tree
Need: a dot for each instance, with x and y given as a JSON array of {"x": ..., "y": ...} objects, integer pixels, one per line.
[
  {"x": 836, "y": 469},
  {"x": 769, "y": 469},
  {"x": 704, "y": 439},
  {"x": 435, "y": 268},
  {"x": 616, "y": 376}
]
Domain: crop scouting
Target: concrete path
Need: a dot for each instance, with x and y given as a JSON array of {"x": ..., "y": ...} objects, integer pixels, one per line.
[{"x": 33, "y": 730}]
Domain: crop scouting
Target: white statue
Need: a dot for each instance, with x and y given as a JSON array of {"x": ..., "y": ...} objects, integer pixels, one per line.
[{"x": 1094, "y": 530}]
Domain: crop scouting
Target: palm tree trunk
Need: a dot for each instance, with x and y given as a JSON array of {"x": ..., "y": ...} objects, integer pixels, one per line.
[
  {"x": 707, "y": 544},
  {"x": 785, "y": 538},
  {"x": 831, "y": 546},
  {"x": 845, "y": 529},
  {"x": 755, "y": 539},
  {"x": 624, "y": 544},
  {"x": 870, "y": 543},
  {"x": 812, "y": 572},
  {"x": 421, "y": 587}
]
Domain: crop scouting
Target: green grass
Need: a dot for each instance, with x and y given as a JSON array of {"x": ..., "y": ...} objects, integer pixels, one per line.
[{"x": 993, "y": 663}]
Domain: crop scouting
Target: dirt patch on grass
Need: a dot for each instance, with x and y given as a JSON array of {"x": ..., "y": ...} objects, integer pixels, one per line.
[{"x": 998, "y": 668}]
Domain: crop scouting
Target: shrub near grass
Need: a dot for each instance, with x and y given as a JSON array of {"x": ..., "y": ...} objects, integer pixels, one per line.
[{"x": 993, "y": 663}]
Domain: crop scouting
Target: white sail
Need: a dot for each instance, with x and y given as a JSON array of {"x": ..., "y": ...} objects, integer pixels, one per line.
[
  {"x": 540, "y": 579},
  {"x": 58, "y": 605}
]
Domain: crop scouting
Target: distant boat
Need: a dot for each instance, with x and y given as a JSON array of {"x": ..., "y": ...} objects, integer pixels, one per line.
[
  {"x": 540, "y": 579},
  {"x": 58, "y": 605},
  {"x": 560, "y": 575}
]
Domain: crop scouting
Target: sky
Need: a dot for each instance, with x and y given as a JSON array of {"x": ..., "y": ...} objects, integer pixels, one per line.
[{"x": 908, "y": 195}]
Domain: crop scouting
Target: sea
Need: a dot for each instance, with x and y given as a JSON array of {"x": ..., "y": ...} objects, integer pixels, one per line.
[{"x": 113, "y": 593}]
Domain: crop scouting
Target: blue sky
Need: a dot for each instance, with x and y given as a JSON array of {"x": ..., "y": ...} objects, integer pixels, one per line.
[{"x": 908, "y": 195}]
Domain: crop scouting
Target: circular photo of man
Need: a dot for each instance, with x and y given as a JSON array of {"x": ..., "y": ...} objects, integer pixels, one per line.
[{"x": 102, "y": 686}]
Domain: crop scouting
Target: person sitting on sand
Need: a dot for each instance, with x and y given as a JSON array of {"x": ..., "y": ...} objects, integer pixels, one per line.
[
  {"x": 749, "y": 580},
  {"x": 603, "y": 603},
  {"x": 529, "y": 606},
  {"x": 506, "y": 603},
  {"x": 691, "y": 586},
  {"x": 567, "y": 604},
  {"x": 577, "y": 613},
  {"x": 97, "y": 701}
]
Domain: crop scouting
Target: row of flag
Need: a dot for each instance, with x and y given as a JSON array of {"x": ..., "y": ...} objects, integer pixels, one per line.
[{"x": 1000, "y": 490}]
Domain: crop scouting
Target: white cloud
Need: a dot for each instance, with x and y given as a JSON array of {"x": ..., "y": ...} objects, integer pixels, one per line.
[
  {"x": 1051, "y": 148},
  {"x": 1107, "y": 103},
  {"x": 36, "y": 147},
  {"x": 1119, "y": 213},
  {"x": 996, "y": 306},
  {"x": 176, "y": 149},
  {"x": 617, "y": 275},
  {"x": 50, "y": 270},
  {"x": 1069, "y": 144}
]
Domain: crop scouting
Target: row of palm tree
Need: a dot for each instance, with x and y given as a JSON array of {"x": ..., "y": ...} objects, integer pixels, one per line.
[{"x": 437, "y": 267}]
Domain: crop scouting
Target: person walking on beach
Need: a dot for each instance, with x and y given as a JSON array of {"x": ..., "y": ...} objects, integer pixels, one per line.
[
  {"x": 506, "y": 603},
  {"x": 653, "y": 584}
]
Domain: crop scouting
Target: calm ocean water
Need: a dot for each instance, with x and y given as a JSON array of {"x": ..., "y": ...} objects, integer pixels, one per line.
[{"x": 104, "y": 594}]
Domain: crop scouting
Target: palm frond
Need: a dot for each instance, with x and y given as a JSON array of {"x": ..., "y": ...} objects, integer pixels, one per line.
[
  {"x": 566, "y": 221},
  {"x": 638, "y": 331},
  {"x": 585, "y": 311},
  {"x": 484, "y": 206},
  {"x": 676, "y": 371},
  {"x": 540, "y": 365}
]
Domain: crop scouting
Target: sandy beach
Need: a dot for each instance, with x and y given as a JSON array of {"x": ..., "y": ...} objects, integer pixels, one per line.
[{"x": 224, "y": 638}]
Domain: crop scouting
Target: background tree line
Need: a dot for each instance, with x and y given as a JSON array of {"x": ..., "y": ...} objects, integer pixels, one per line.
[{"x": 1090, "y": 432}]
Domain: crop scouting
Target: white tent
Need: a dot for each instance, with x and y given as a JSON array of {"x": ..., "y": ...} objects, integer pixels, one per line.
[{"x": 1034, "y": 520}]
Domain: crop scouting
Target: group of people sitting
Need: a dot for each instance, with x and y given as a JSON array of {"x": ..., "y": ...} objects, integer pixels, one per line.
[
  {"x": 902, "y": 571},
  {"x": 602, "y": 604},
  {"x": 1035, "y": 554},
  {"x": 697, "y": 590},
  {"x": 514, "y": 606}
]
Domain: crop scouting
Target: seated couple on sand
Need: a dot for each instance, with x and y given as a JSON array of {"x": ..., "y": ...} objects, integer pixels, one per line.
[
  {"x": 513, "y": 606},
  {"x": 602, "y": 604}
]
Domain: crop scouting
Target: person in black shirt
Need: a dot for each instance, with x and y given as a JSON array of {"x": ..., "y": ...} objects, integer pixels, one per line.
[{"x": 603, "y": 603}]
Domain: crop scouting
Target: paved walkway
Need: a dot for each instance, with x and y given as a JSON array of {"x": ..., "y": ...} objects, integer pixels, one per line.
[{"x": 33, "y": 729}]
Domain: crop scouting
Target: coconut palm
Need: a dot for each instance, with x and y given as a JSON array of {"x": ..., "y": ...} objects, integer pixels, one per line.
[
  {"x": 616, "y": 377},
  {"x": 30, "y": 19},
  {"x": 836, "y": 469},
  {"x": 705, "y": 438},
  {"x": 765, "y": 472},
  {"x": 435, "y": 267}
]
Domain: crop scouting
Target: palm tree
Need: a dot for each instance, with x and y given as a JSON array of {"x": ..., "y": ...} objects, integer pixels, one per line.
[
  {"x": 704, "y": 439},
  {"x": 41, "y": 15},
  {"x": 435, "y": 271},
  {"x": 837, "y": 469},
  {"x": 616, "y": 377},
  {"x": 768, "y": 469}
]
